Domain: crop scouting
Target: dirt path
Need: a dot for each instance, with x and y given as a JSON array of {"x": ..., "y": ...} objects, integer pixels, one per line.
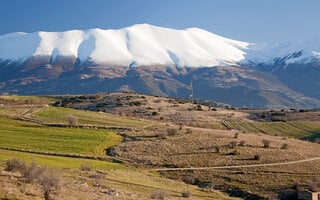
[{"x": 237, "y": 166}]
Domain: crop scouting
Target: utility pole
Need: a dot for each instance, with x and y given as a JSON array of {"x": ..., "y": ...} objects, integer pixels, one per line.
[
  {"x": 191, "y": 92},
  {"x": 190, "y": 110}
]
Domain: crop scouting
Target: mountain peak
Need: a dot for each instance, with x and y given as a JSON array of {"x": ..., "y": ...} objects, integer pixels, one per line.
[{"x": 143, "y": 44}]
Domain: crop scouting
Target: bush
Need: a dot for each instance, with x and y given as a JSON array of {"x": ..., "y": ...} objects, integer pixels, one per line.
[
  {"x": 284, "y": 146},
  {"x": 97, "y": 177},
  {"x": 49, "y": 182},
  {"x": 32, "y": 172},
  {"x": 15, "y": 165},
  {"x": 189, "y": 179},
  {"x": 86, "y": 167},
  {"x": 266, "y": 143},
  {"x": 198, "y": 107},
  {"x": 242, "y": 143},
  {"x": 217, "y": 148},
  {"x": 159, "y": 194},
  {"x": 186, "y": 194},
  {"x": 172, "y": 131},
  {"x": 236, "y": 135},
  {"x": 72, "y": 120},
  {"x": 188, "y": 131},
  {"x": 314, "y": 185},
  {"x": 256, "y": 157},
  {"x": 233, "y": 153},
  {"x": 154, "y": 113},
  {"x": 233, "y": 144}
]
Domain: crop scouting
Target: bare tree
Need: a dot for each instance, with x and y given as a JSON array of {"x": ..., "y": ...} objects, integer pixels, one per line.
[
  {"x": 49, "y": 182},
  {"x": 266, "y": 143},
  {"x": 72, "y": 120}
]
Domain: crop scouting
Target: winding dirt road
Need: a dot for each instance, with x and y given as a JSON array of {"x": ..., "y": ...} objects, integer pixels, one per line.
[{"x": 237, "y": 166}]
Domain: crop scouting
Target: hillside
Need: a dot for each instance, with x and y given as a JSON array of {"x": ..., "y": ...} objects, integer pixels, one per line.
[{"x": 161, "y": 138}]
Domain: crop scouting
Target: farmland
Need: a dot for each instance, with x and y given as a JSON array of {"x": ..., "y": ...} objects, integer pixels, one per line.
[
  {"x": 58, "y": 115},
  {"x": 24, "y": 135},
  {"x": 307, "y": 130},
  {"x": 147, "y": 133}
]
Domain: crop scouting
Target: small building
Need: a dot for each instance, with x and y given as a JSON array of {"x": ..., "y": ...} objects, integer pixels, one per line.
[{"x": 308, "y": 195}]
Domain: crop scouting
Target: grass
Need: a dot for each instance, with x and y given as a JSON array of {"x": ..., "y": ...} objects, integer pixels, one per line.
[
  {"x": 296, "y": 129},
  {"x": 23, "y": 135},
  {"x": 57, "y": 161},
  {"x": 147, "y": 183},
  {"x": 58, "y": 115},
  {"x": 13, "y": 112}
]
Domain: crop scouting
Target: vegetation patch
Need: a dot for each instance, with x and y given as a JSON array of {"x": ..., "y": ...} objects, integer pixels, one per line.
[
  {"x": 59, "y": 115},
  {"x": 23, "y": 135}
]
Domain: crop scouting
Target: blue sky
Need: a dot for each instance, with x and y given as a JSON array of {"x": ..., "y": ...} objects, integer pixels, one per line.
[{"x": 246, "y": 20}]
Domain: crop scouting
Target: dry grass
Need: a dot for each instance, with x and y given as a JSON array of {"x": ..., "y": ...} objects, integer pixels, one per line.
[{"x": 198, "y": 149}]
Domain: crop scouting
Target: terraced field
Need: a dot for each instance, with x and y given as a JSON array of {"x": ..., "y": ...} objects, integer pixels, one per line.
[
  {"x": 58, "y": 161},
  {"x": 307, "y": 130},
  {"x": 58, "y": 115},
  {"x": 24, "y": 135}
]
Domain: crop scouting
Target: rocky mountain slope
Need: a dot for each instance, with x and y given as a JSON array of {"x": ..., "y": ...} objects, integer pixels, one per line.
[{"x": 161, "y": 61}]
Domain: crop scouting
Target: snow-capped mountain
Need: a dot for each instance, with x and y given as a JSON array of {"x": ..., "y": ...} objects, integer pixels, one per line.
[
  {"x": 162, "y": 61},
  {"x": 145, "y": 44},
  {"x": 141, "y": 44}
]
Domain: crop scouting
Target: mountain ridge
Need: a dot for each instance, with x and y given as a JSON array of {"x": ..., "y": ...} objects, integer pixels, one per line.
[{"x": 162, "y": 61}]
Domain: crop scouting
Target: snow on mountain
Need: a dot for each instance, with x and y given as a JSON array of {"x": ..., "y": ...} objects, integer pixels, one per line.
[
  {"x": 145, "y": 44},
  {"x": 286, "y": 53},
  {"x": 142, "y": 44}
]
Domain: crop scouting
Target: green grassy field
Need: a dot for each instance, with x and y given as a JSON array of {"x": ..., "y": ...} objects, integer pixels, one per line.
[
  {"x": 298, "y": 129},
  {"x": 23, "y": 135},
  {"x": 57, "y": 161},
  {"x": 59, "y": 115}
]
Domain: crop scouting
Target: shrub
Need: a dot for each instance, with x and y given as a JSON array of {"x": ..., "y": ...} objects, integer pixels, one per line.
[
  {"x": 157, "y": 101},
  {"x": 161, "y": 135},
  {"x": 97, "y": 177},
  {"x": 236, "y": 135},
  {"x": 242, "y": 143},
  {"x": 172, "y": 131},
  {"x": 189, "y": 179},
  {"x": 266, "y": 143},
  {"x": 72, "y": 120},
  {"x": 198, "y": 107},
  {"x": 284, "y": 146},
  {"x": 32, "y": 172},
  {"x": 49, "y": 182},
  {"x": 86, "y": 167},
  {"x": 217, "y": 148},
  {"x": 314, "y": 185},
  {"x": 15, "y": 165},
  {"x": 154, "y": 113},
  {"x": 233, "y": 144},
  {"x": 188, "y": 131},
  {"x": 256, "y": 157},
  {"x": 159, "y": 194},
  {"x": 235, "y": 152},
  {"x": 186, "y": 194}
]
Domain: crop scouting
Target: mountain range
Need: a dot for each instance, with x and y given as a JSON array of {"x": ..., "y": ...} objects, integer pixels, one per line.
[{"x": 162, "y": 61}]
